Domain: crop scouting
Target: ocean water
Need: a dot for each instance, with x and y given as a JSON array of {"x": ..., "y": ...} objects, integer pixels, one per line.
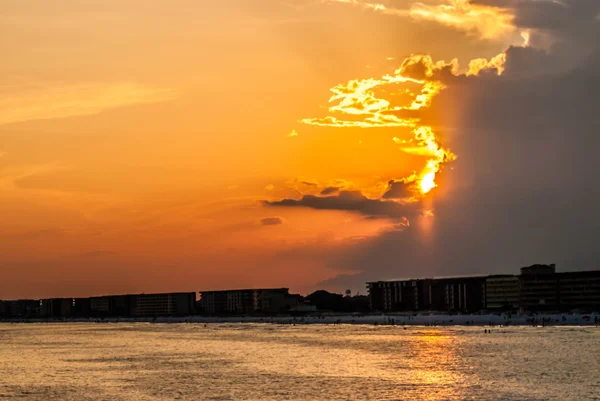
[{"x": 143, "y": 361}]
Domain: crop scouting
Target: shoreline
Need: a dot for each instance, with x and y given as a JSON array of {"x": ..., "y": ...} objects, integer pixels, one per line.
[{"x": 540, "y": 320}]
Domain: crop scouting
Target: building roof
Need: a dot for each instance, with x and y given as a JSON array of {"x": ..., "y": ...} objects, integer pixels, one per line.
[
  {"x": 458, "y": 276},
  {"x": 247, "y": 289}
]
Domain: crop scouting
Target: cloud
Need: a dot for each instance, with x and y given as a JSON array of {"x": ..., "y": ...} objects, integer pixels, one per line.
[
  {"x": 524, "y": 188},
  {"x": 554, "y": 22},
  {"x": 271, "y": 221},
  {"x": 352, "y": 201},
  {"x": 366, "y": 103},
  {"x": 35, "y": 101},
  {"x": 371, "y": 6},
  {"x": 363, "y": 103},
  {"x": 399, "y": 189},
  {"x": 487, "y": 21},
  {"x": 330, "y": 191},
  {"x": 464, "y": 15},
  {"x": 293, "y": 133}
]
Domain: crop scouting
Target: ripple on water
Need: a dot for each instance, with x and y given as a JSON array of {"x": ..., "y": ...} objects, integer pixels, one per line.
[{"x": 130, "y": 361}]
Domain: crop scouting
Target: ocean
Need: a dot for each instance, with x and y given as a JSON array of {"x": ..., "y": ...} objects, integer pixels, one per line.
[{"x": 145, "y": 361}]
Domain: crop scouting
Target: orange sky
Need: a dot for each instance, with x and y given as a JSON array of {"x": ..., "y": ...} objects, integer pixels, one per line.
[{"x": 139, "y": 139}]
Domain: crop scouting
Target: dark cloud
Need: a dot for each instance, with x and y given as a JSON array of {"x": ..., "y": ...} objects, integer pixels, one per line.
[
  {"x": 352, "y": 201},
  {"x": 415, "y": 67},
  {"x": 398, "y": 189},
  {"x": 330, "y": 191},
  {"x": 525, "y": 62},
  {"x": 572, "y": 21},
  {"x": 271, "y": 221},
  {"x": 524, "y": 188}
]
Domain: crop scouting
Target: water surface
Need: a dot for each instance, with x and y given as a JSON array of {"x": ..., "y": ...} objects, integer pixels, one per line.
[{"x": 142, "y": 361}]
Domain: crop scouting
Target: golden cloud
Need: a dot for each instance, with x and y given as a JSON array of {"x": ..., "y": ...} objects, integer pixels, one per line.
[
  {"x": 487, "y": 22},
  {"x": 359, "y": 104}
]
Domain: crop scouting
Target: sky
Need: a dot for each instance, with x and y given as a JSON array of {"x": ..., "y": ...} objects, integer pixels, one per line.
[{"x": 150, "y": 146}]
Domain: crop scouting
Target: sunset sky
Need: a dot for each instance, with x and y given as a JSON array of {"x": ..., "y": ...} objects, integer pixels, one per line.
[{"x": 154, "y": 145}]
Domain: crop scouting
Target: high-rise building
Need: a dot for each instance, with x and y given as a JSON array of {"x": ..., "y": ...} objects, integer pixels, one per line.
[
  {"x": 579, "y": 290},
  {"x": 442, "y": 294},
  {"x": 245, "y": 301},
  {"x": 502, "y": 292},
  {"x": 167, "y": 304},
  {"x": 538, "y": 288}
]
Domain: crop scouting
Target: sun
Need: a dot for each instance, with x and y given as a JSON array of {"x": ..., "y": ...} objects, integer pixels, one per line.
[{"x": 428, "y": 182}]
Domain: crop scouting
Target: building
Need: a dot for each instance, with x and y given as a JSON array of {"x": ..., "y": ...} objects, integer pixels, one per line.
[
  {"x": 167, "y": 304},
  {"x": 247, "y": 301},
  {"x": 61, "y": 307},
  {"x": 110, "y": 305},
  {"x": 538, "y": 288},
  {"x": 464, "y": 294},
  {"x": 100, "y": 306},
  {"x": 25, "y": 309},
  {"x": 502, "y": 292},
  {"x": 579, "y": 291},
  {"x": 229, "y": 301},
  {"x": 279, "y": 300},
  {"x": 441, "y": 294},
  {"x": 396, "y": 295},
  {"x": 81, "y": 307},
  {"x": 4, "y": 309},
  {"x": 119, "y": 305}
]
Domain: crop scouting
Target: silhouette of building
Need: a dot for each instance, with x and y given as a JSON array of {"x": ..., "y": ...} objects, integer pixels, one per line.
[
  {"x": 4, "y": 310},
  {"x": 81, "y": 307},
  {"x": 100, "y": 306},
  {"x": 246, "y": 301},
  {"x": 538, "y": 288},
  {"x": 24, "y": 309},
  {"x": 463, "y": 294},
  {"x": 502, "y": 292},
  {"x": 579, "y": 290},
  {"x": 166, "y": 304},
  {"x": 466, "y": 294},
  {"x": 61, "y": 307},
  {"x": 405, "y": 294}
]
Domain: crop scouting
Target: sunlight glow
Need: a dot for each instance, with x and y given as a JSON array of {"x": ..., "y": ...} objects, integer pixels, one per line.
[{"x": 358, "y": 103}]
